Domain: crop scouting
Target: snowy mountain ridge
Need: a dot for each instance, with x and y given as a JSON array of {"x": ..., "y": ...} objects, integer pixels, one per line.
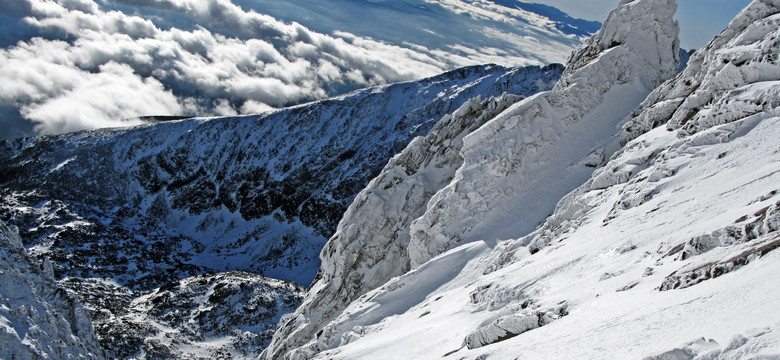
[
  {"x": 669, "y": 242},
  {"x": 492, "y": 162}
]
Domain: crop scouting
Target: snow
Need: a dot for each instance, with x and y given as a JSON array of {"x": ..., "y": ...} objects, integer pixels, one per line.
[
  {"x": 499, "y": 169},
  {"x": 572, "y": 262},
  {"x": 377, "y": 223},
  {"x": 131, "y": 210},
  {"x": 602, "y": 273},
  {"x": 525, "y": 159},
  {"x": 227, "y": 314},
  {"x": 600, "y": 219},
  {"x": 60, "y": 165}
]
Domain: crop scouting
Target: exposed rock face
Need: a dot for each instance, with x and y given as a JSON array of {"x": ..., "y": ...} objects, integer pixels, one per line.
[
  {"x": 489, "y": 180},
  {"x": 38, "y": 319},
  {"x": 694, "y": 101},
  {"x": 214, "y": 316},
  {"x": 719, "y": 86}
]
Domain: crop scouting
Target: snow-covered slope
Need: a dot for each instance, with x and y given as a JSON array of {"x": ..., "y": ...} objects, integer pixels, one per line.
[
  {"x": 370, "y": 245},
  {"x": 122, "y": 212},
  {"x": 666, "y": 250},
  {"x": 509, "y": 166},
  {"x": 38, "y": 319}
]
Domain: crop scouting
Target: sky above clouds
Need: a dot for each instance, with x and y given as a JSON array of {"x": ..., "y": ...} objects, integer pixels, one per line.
[
  {"x": 69, "y": 65},
  {"x": 700, "y": 20}
]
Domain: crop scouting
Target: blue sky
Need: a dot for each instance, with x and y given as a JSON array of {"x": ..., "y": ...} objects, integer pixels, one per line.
[{"x": 700, "y": 20}]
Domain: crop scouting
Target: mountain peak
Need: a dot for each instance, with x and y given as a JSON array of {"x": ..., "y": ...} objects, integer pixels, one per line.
[{"x": 644, "y": 28}]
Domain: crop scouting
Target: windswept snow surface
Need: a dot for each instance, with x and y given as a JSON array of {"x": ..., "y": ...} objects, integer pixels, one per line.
[{"x": 667, "y": 250}]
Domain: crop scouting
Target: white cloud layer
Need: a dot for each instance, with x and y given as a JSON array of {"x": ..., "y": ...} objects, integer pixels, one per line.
[{"x": 94, "y": 66}]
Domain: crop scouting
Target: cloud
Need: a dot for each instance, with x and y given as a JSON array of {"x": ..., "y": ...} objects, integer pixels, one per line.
[
  {"x": 97, "y": 63},
  {"x": 109, "y": 98},
  {"x": 96, "y": 67}
]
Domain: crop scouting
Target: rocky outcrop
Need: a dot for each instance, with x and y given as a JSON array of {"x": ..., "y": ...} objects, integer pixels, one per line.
[
  {"x": 718, "y": 87},
  {"x": 521, "y": 162},
  {"x": 213, "y": 316},
  {"x": 710, "y": 80},
  {"x": 509, "y": 326},
  {"x": 370, "y": 246},
  {"x": 38, "y": 319}
]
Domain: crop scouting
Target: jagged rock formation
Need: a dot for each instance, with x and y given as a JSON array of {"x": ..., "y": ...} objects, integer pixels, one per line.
[
  {"x": 122, "y": 212},
  {"x": 541, "y": 149},
  {"x": 38, "y": 319},
  {"x": 672, "y": 237},
  {"x": 429, "y": 207}
]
